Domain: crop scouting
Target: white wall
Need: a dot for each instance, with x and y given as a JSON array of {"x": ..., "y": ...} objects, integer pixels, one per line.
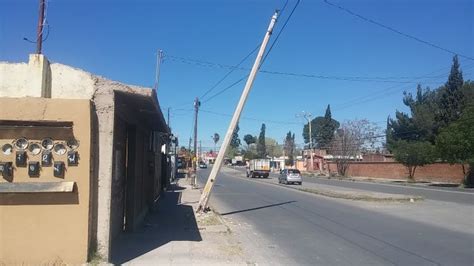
[{"x": 38, "y": 78}]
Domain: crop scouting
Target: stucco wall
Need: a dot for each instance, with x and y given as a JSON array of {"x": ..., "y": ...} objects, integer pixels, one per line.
[
  {"x": 38, "y": 78},
  {"x": 46, "y": 228},
  {"x": 71, "y": 83}
]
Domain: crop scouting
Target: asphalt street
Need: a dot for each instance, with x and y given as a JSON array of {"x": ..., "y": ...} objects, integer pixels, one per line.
[
  {"x": 319, "y": 231},
  {"x": 464, "y": 196}
]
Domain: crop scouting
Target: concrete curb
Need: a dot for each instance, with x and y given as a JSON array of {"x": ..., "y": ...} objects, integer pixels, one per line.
[{"x": 356, "y": 195}]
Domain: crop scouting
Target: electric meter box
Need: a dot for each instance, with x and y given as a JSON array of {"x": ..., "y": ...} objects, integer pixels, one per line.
[{"x": 45, "y": 187}]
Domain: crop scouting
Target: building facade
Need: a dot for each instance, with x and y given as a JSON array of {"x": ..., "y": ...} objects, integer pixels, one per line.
[{"x": 81, "y": 161}]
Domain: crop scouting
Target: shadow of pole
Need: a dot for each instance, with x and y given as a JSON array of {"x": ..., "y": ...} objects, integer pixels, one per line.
[{"x": 258, "y": 208}]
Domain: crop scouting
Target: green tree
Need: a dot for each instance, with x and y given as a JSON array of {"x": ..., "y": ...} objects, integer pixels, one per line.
[
  {"x": 322, "y": 130},
  {"x": 215, "y": 138},
  {"x": 289, "y": 147},
  {"x": 249, "y": 139},
  {"x": 325, "y": 132},
  {"x": 261, "y": 148},
  {"x": 235, "y": 141},
  {"x": 451, "y": 101},
  {"x": 413, "y": 154},
  {"x": 455, "y": 144},
  {"x": 272, "y": 147}
]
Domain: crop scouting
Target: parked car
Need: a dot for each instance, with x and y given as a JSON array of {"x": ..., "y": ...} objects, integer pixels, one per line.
[
  {"x": 202, "y": 165},
  {"x": 288, "y": 176}
]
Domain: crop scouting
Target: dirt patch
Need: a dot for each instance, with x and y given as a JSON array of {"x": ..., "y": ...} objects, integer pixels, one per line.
[
  {"x": 208, "y": 219},
  {"x": 362, "y": 197}
]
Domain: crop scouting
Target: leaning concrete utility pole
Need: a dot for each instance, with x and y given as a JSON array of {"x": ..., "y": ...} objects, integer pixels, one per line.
[{"x": 235, "y": 119}]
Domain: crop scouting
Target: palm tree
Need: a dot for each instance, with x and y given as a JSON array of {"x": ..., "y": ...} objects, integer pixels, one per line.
[{"x": 215, "y": 138}]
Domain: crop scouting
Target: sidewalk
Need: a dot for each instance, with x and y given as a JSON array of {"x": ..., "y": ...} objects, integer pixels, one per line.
[
  {"x": 333, "y": 191},
  {"x": 174, "y": 235}
]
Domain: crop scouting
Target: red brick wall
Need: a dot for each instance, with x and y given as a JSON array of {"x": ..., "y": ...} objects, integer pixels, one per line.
[{"x": 439, "y": 172}]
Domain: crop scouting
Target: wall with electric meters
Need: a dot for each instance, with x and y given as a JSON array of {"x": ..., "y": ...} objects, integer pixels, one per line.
[{"x": 45, "y": 175}]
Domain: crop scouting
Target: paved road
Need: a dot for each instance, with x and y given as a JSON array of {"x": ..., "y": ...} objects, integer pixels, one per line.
[
  {"x": 319, "y": 231},
  {"x": 464, "y": 196}
]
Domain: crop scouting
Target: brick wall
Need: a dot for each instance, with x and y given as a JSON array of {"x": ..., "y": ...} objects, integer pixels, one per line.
[{"x": 439, "y": 172}]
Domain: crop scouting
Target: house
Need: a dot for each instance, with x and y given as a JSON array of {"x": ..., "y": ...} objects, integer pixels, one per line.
[{"x": 81, "y": 161}]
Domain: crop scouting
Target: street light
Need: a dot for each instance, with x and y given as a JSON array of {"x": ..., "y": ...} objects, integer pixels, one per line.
[{"x": 308, "y": 116}]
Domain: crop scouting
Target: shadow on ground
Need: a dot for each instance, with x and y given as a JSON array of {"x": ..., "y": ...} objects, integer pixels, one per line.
[
  {"x": 169, "y": 221},
  {"x": 258, "y": 208}
]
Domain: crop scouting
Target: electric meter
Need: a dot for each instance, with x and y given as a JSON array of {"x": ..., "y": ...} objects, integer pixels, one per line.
[
  {"x": 59, "y": 169},
  {"x": 46, "y": 158},
  {"x": 20, "y": 159},
  {"x": 47, "y": 143},
  {"x": 7, "y": 149},
  {"x": 21, "y": 143},
  {"x": 60, "y": 149},
  {"x": 6, "y": 170},
  {"x": 72, "y": 144},
  {"x": 34, "y": 148},
  {"x": 34, "y": 169}
]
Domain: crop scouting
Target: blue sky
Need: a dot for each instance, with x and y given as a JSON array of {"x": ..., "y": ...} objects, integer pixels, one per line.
[{"x": 119, "y": 40}]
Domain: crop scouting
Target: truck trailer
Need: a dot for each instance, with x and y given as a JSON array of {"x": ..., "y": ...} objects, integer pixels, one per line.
[{"x": 258, "y": 168}]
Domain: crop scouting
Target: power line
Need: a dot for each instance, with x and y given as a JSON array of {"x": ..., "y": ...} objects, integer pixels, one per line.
[
  {"x": 225, "y": 89},
  {"x": 230, "y": 72},
  {"x": 385, "y": 92},
  {"x": 281, "y": 30},
  {"x": 252, "y": 118},
  {"x": 395, "y": 30},
  {"x": 392, "y": 79},
  {"x": 265, "y": 57}
]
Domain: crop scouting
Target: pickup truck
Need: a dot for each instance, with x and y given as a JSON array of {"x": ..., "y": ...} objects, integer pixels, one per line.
[{"x": 258, "y": 168}]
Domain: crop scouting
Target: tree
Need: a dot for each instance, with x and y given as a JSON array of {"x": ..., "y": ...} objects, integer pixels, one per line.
[
  {"x": 235, "y": 141},
  {"x": 350, "y": 141},
  {"x": 413, "y": 154},
  {"x": 325, "y": 133},
  {"x": 261, "y": 148},
  {"x": 420, "y": 124},
  {"x": 455, "y": 144},
  {"x": 215, "y": 138},
  {"x": 272, "y": 148},
  {"x": 249, "y": 139},
  {"x": 322, "y": 130},
  {"x": 451, "y": 101},
  {"x": 289, "y": 147}
]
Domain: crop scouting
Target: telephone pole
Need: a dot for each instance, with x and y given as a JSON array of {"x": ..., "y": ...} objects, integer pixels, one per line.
[
  {"x": 159, "y": 60},
  {"x": 308, "y": 116},
  {"x": 203, "y": 202},
  {"x": 39, "y": 34},
  {"x": 197, "y": 104}
]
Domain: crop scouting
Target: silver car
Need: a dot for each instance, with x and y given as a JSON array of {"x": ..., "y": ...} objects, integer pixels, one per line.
[{"x": 288, "y": 176}]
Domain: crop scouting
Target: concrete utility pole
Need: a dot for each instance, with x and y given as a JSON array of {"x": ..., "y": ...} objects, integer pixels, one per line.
[
  {"x": 235, "y": 119},
  {"x": 159, "y": 60},
  {"x": 197, "y": 104},
  {"x": 308, "y": 118},
  {"x": 39, "y": 34}
]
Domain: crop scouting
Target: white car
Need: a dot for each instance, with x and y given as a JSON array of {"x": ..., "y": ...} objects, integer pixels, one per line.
[{"x": 289, "y": 176}]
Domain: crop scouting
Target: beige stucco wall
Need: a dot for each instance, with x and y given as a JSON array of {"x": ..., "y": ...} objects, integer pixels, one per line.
[
  {"x": 39, "y": 78},
  {"x": 71, "y": 83},
  {"x": 47, "y": 228}
]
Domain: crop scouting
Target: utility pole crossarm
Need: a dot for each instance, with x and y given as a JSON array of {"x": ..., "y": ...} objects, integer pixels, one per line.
[{"x": 203, "y": 203}]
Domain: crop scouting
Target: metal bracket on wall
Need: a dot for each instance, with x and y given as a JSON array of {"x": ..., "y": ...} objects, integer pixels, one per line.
[{"x": 37, "y": 187}]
